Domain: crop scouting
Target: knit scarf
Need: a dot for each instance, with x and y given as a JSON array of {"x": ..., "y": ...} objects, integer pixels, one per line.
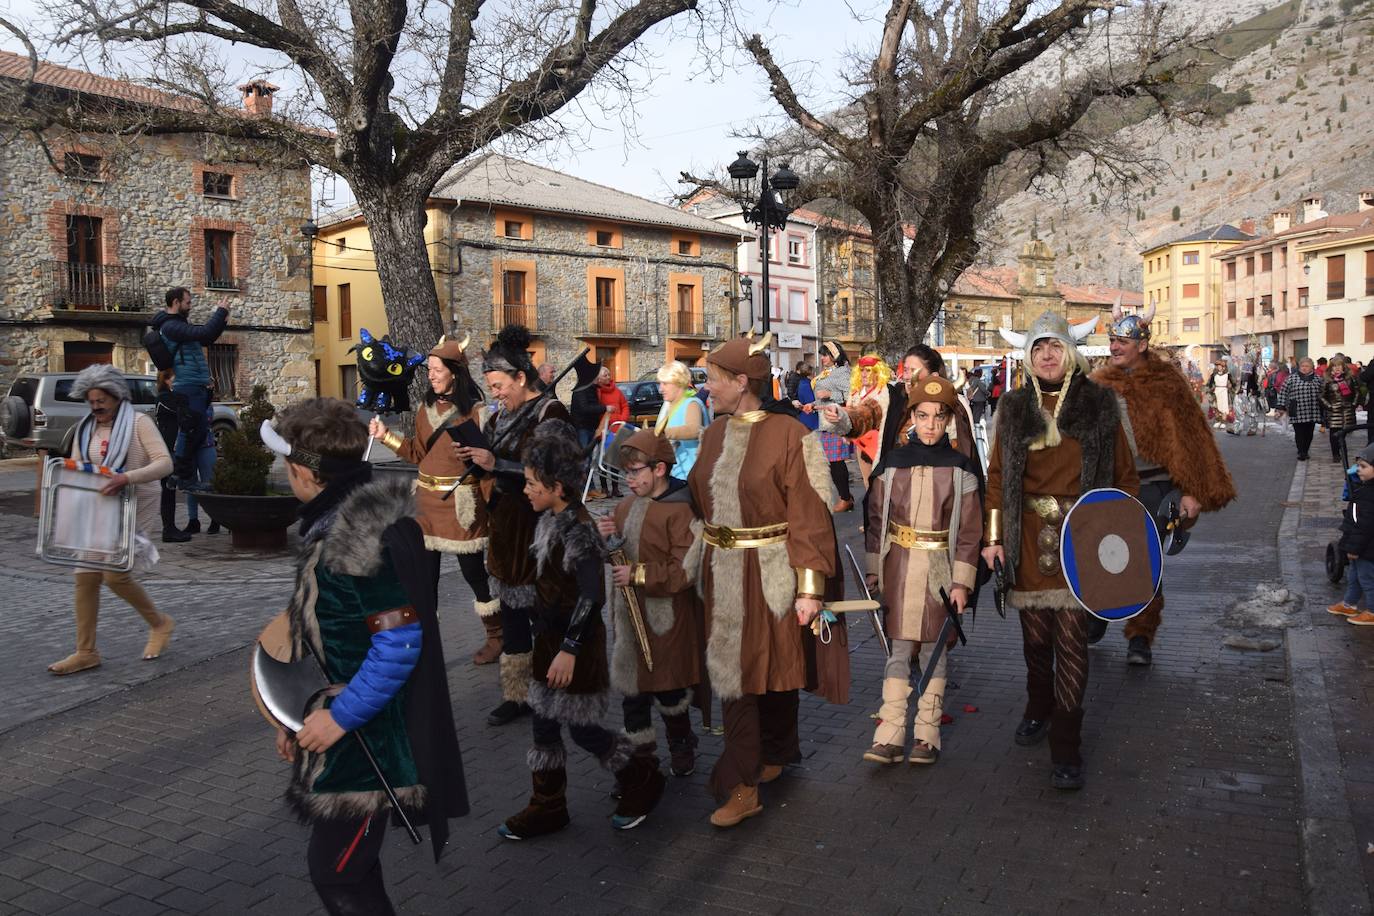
[
  {"x": 121, "y": 436},
  {"x": 1051, "y": 436}
]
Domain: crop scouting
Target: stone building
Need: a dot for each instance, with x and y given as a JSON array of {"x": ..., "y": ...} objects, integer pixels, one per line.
[
  {"x": 581, "y": 264},
  {"x": 97, "y": 233},
  {"x": 846, "y": 283},
  {"x": 985, "y": 299}
]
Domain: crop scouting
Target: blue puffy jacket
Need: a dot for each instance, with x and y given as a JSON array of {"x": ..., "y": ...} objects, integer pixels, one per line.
[
  {"x": 394, "y": 654},
  {"x": 187, "y": 343}
]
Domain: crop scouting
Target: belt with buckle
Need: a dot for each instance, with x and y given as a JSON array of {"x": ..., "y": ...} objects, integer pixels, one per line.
[
  {"x": 744, "y": 538},
  {"x": 430, "y": 482},
  {"x": 916, "y": 539},
  {"x": 1051, "y": 509}
]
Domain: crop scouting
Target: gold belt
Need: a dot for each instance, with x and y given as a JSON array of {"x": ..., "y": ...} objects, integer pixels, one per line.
[
  {"x": 744, "y": 538},
  {"x": 916, "y": 539},
  {"x": 430, "y": 482}
]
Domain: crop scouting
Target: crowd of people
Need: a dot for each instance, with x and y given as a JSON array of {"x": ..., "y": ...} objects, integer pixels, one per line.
[{"x": 719, "y": 565}]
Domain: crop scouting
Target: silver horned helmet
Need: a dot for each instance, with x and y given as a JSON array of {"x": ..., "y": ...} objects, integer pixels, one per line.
[
  {"x": 1050, "y": 325},
  {"x": 1130, "y": 326}
]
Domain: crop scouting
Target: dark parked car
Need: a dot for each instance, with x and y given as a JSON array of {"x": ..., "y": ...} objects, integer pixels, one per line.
[{"x": 644, "y": 399}]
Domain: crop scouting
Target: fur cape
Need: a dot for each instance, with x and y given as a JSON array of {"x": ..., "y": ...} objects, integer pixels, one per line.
[
  {"x": 1090, "y": 415},
  {"x": 1169, "y": 428}
]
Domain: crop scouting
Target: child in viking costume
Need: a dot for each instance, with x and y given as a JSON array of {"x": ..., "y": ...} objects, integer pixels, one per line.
[
  {"x": 656, "y": 525},
  {"x": 570, "y": 680},
  {"x": 923, "y": 533},
  {"x": 1056, "y": 438},
  {"x": 457, "y": 524},
  {"x": 762, "y": 486},
  {"x": 364, "y": 603},
  {"x": 510, "y": 519}
]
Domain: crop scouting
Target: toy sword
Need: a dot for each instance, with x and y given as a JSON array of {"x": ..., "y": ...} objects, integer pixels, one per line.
[
  {"x": 876, "y": 615},
  {"x": 999, "y": 591},
  {"x": 616, "y": 546},
  {"x": 951, "y": 624}
]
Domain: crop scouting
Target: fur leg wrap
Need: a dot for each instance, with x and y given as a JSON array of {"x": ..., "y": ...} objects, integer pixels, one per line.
[
  {"x": 619, "y": 756},
  {"x": 677, "y": 708},
  {"x": 567, "y": 708},
  {"x": 547, "y": 757},
  {"x": 515, "y": 676},
  {"x": 892, "y": 714},
  {"x": 645, "y": 738},
  {"x": 928, "y": 710},
  {"x": 487, "y": 608}
]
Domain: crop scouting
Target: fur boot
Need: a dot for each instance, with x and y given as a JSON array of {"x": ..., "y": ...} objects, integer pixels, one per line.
[
  {"x": 640, "y": 783},
  {"x": 547, "y": 811},
  {"x": 515, "y": 676},
  {"x": 489, "y": 612}
]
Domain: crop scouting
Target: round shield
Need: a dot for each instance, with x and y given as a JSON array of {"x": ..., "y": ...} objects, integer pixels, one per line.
[{"x": 1110, "y": 554}]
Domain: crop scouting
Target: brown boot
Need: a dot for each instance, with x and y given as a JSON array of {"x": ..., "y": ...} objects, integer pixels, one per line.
[
  {"x": 743, "y": 803},
  {"x": 87, "y": 613},
  {"x": 843, "y": 505},
  {"x": 547, "y": 810},
  {"x": 769, "y": 773},
  {"x": 489, "y": 612},
  {"x": 641, "y": 786},
  {"x": 682, "y": 744}
]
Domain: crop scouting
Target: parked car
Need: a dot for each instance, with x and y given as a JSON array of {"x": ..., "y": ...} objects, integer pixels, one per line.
[
  {"x": 40, "y": 413},
  {"x": 645, "y": 398},
  {"x": 698, "y": 375}
]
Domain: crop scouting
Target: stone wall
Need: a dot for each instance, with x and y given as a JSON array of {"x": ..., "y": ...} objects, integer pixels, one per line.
[
  {"x": 149, "y": 196},
  {"x": 563, "y": 260}
]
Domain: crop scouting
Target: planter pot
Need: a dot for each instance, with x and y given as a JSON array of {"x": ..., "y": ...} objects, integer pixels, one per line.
[{"x": 254, "y": 522}]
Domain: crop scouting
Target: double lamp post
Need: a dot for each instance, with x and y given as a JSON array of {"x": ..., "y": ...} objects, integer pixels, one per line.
[{"x": 767, "y": 211}]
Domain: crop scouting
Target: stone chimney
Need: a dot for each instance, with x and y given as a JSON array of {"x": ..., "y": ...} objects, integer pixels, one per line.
[
  {"x": 1283, "y": 220},
  {"x": 1367, "y": 199},
  {"x": 257, "y": 98},
  {"x": 1312, "y": 208},
  {"x": 1247, "y": 225}
]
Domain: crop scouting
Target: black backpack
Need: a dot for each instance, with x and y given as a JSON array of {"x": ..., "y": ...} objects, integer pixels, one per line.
[{"x": 162, "y": 357}]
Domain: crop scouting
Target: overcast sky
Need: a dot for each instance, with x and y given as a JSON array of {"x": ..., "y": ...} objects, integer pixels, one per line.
[{"x": 685, "y": 117}]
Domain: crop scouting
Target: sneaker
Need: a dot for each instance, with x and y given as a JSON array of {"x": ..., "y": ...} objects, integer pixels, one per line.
[
  {"x": 626, "y": 822},
  {"x": 1067, "y": 777},
  {"x": 1138, "y": 651},
  {"x": 883, "y": 753},
  {"x": 923, "y": 753},
  {"x": 1032, "y": 731},
  {"x": 1362, "y": 619},
  {"x": 192, "y": 527},
  {"x": 1340, "y": 607}
]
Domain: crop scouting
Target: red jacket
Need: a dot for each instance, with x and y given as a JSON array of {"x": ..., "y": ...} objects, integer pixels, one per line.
[{"x": 612, "y": 396}]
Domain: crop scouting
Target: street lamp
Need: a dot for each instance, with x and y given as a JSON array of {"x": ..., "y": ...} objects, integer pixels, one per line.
[
  {"x": 310, "y": 230},
  {"x": 746, "y": 292},
  {"x": 768, "y": 210}
]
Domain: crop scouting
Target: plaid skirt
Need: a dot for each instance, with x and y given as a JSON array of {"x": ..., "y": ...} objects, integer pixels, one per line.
[{"x": 835, "y": 446}]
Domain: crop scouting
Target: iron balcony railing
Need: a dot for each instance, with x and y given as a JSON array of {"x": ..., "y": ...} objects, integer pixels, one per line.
[
  {"x": 96, "y": 287},
  {"x": 691, "y": 324},
  {"x": 527, "y": 315},
  {"x": 223, "y": 283}
]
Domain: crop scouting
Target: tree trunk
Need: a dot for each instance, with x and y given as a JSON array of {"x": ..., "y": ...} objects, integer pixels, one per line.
[{"x": 404, "y": 271}]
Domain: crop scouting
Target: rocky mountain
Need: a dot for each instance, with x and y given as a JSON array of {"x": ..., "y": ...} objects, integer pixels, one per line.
[{"x": 1307, "y": 69}]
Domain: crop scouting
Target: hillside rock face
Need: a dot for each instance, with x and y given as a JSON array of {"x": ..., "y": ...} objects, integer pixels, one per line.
[{"x": 1309, "y": 71}]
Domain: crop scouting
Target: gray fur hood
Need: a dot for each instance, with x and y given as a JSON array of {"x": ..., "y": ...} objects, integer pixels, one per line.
[{"x": 352, "y": 533}]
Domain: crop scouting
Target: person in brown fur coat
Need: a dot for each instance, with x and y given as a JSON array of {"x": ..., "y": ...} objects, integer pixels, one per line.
[{"x": 1172, "y": 443}]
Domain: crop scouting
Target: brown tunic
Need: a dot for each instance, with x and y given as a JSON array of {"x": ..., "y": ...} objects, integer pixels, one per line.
[
  {"x": 911, "y": 578},
  {"x": 1055, "y": 472},
  {"x": 458, "y": 524},
  {"x": 754, "y": 470},
  {"x": 556, "y": 593},
  {"x": 659, "y": 535}
]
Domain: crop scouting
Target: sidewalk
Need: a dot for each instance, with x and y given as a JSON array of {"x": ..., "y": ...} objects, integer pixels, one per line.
[{"x": 1340, "y": 810}]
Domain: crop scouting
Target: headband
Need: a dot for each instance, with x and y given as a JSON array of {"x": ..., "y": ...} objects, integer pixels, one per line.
[{"x": 316, "y": 462}]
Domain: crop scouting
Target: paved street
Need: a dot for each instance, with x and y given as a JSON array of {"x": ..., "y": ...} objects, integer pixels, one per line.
[{"x": 152, "y": 787}]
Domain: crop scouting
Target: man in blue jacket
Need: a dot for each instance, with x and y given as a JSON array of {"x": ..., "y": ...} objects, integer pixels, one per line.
[{"x": 195, "y": 446}]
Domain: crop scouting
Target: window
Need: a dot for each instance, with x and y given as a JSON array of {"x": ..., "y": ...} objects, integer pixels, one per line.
[
  {"x": 1369, "y": 328},
  {"x": 346, "y": 320},
  {"x": 1267, "y": 261},
  {"x": 1191, "y": 290},
  {"x": 1283, "y": 299},
  {"x": 773, "y": 312},
  {"x": 319, "y": 300},
  {"x": 1230, "y": 270},
  {"x": 1250, "y": 266},
  {"x": 1190, "y": 257},
  {"x": 81, "y": 166},
  {"x": 684, "y": 247},
  {"x": 341, "y": 243},
  {"x": 1369, "y": 273},
  {"x": 1335, "y": 331},
  {"x": 1192, "y": 324},
  {"x": 513, "y": 287},
  {"x": 219, "y": 260},
  {"x": 1250, "y": 308},
  {"x": 1266, "y": 305},
  {"x": 224, "y": 368},
  {"x": 1302, "y": 297},
  {"x": 796, "y": 305},
  {"x": 514, "y": 229},
  {"x": 1231, "y": 310},
  {"x": 796, "y": 249},
  {"x": 605, "y": 238},
  {"x": 1335, "y": 277},
  {"x": 217, "y": 184},
  {"x": 980, "y": 335}
]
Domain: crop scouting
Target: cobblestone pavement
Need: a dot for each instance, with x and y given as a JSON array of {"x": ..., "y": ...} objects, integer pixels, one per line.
[{"x": 164, "y": 797}]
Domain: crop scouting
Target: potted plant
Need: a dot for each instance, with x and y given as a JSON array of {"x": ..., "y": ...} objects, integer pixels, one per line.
[{"x": 239, "y": 497}]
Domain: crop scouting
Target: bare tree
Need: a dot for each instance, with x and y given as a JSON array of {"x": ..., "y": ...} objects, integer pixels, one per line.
[
  {"x": 959, "y": 103},
  {"x": 392, "y": 95}
]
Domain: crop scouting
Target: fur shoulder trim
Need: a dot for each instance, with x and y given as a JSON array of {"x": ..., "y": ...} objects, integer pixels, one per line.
[
  {"x": 577, "y": 536},
  {"x": 353, "y": 543}
]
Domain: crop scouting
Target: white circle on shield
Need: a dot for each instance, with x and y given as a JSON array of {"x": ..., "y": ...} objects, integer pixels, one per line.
[{"x": 1113, "y": 553}]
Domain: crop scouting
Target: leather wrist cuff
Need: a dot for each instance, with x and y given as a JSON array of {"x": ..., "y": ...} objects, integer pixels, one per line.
[
  {"x": 810, "y": 583},
  {"x": 637, "y": 575},
  {"x": 570, "y": 646},
  {"x": 390, "y": 620},
  {"x": 393, "y": 440}
]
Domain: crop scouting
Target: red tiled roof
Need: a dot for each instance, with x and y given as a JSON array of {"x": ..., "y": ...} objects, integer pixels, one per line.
[
  {"x": 1362, "y": 219},
  {"x": 16, "y": 67},
  {"x": 1002, "y": 283}
]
